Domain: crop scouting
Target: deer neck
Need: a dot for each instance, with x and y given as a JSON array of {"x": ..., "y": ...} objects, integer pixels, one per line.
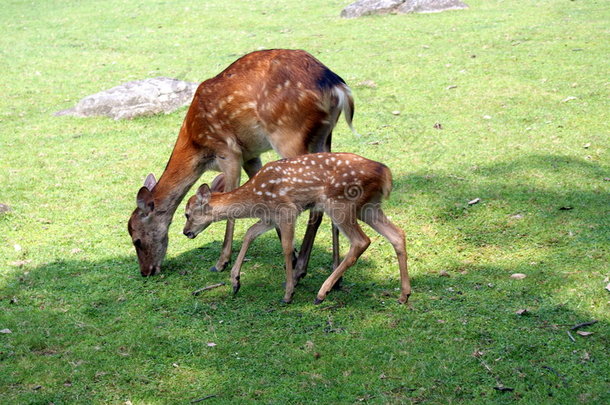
[{"x": 184, "y": 167}]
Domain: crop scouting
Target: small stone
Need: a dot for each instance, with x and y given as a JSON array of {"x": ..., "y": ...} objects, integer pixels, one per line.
[
  {"x": 518, "y": 276},
  {"x": 4, "y": 208},
  {"x": 396, "y": 112},
  {"x": 444, "y": 273}
]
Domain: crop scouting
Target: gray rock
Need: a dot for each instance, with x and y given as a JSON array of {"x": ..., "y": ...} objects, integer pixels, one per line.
[
  {"x": 135, "y": 99},
  {"x": 4, "y": 208},
  {"x": 369, "y": 7}
]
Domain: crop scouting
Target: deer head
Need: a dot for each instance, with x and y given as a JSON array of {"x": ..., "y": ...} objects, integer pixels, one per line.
[
  {"x": 198, "y": 210},
  {"x": 148, "y": 230}
]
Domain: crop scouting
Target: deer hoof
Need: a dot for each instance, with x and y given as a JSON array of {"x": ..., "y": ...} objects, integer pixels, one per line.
[
  {"x": 236, "y": 289},
  {"x": 318, "y": 301}
]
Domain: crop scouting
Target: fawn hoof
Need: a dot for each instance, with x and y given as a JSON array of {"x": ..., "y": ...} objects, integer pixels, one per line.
[
  {"x": 318, "y": 301},
  {"x": 286, "y": 301},
  {"x": 403, "y": 300},
  {"x": 236, "y": 289},
  {"x": 213, "y": 269}
]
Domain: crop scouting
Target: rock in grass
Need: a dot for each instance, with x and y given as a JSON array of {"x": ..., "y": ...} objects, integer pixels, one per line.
[
  {"x": 135, "y": 99},
  {"x": 369, "y": 7}
]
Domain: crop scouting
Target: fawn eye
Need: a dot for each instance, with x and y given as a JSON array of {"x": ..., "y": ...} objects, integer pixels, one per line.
[{"x": 137, "y": 243}]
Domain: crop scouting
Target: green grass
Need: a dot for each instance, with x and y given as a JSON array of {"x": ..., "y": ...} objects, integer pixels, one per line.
[{"x": 86, "y": 328}]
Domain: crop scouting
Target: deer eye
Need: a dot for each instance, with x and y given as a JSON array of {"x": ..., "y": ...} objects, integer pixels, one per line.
[{"x": 137, "y": 243}]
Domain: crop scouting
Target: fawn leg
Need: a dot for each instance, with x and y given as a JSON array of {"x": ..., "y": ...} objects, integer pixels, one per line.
[
  {"x": 376, "y": 218},
  {"x": 287, "y": 232},
  {"x": 359, "y": 242},
  {"x": 252, "y": 233}
]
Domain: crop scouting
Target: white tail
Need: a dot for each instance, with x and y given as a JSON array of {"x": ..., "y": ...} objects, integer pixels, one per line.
[{"x": 347, "y": 187}]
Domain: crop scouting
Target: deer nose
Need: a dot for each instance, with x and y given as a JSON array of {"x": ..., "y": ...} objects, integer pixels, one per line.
[{"x": 189, "y": 234}]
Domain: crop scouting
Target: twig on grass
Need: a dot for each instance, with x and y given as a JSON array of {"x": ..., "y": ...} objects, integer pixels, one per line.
[
  {"x": 210, "y": 287},
  {"x": 582, "y": 325},
  {"x": 203, "y": 399},
  {"x": 551, "y": 369},
  {"x": 571, "y": 337}
]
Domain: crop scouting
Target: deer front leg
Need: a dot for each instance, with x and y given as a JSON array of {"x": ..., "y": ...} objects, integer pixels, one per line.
[
  {"x": 253, "y": 232},
  {"x": 251, "y": 167},
  {"x": 230, "y": 164},
  {"x": 287, "y": 235}
]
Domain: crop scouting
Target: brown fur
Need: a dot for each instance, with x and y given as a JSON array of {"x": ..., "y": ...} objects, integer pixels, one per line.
[
  {"x": 278, "y": 99},
  {"x": 347, "y": 187}
]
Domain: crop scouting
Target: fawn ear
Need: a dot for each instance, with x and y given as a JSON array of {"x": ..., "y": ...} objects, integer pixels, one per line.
[
  {"x": 218, "y": 184},
  {"x": 203, "y": 194},
  {"x": 150, "y": 182},
  {"x": 145, "y": 201}
]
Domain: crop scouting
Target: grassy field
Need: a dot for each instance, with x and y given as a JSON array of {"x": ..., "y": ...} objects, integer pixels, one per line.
[{"x": 520, "y": 89}]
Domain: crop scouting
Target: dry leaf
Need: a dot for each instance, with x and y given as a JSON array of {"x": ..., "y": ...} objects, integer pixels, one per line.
[
  {"x": 444, "y": 273},
  {"x": 583, "y": 333},
  {"x": 5, "y": 331},
  {"x": 475, "y": 201},
  {"x": 211, "y": 344},
  {"x": 565, "y": 100},
  {"x": 396, "y": 112},
  {"x": 608, "y": 287},
  {"x": 477, "y": 353},
  {"x": 521, "y": 312},
  {"x": 367, "y": 83},
  {"x": 518, "y": 276}
]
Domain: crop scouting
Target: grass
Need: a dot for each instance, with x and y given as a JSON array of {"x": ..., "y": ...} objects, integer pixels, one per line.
[{"x": 86, "y": 328}]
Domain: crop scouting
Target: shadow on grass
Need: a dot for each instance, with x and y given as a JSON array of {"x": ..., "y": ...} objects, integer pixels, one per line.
[{"x": 97, "y": 331}]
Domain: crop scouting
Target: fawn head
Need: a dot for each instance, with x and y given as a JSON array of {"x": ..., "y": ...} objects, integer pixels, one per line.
[
  {"x": 148, "y": 230},
  {"x": 198, "y": 211}
]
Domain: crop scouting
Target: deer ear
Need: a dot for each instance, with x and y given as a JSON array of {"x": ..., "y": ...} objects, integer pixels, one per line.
[
  {"x": 145, "y": 201},
  {"x": 150, "y": 182},
  {"x": 218, "y": 184},
  {"x": 203, "y": 194}
]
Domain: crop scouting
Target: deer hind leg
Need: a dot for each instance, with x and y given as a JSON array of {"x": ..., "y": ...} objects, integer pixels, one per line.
[
  {"x": 231, "y": 167},
  {"x": 252, "y": 233},
  {"x": 375, "y": 217},
  {"x": 359, "y": 242}
]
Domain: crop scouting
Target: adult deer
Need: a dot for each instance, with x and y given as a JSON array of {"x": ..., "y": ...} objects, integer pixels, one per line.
[
  {"x": 345, "y": 186},
  {"x": 278, "y": 99}
]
